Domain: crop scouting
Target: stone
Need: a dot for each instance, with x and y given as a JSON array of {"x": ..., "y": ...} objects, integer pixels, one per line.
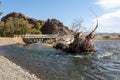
[{"x": 54, "y": 26}]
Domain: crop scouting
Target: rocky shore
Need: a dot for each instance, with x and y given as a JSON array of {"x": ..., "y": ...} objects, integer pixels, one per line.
[
  {"x": 11, "y": 71},
  {"x": 8, "y": 69}
]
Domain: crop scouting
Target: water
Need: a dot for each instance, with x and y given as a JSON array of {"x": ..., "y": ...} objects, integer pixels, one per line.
[{"x": 50, "y": 64}]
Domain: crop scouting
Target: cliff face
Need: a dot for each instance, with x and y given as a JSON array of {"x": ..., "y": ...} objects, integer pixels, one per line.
[{"x": 53, "y": 26}]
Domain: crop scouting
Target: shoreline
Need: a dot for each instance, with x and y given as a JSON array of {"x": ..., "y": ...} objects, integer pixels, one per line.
[
  {"x": 8, "y": 66},
  {"x": 107, "y": 39},
  {"x": 11, "y": 71},
  {"x": 8, "y": 69}
]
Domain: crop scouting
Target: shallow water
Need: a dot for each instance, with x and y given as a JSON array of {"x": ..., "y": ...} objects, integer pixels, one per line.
[{"x": 51, "y": 64}]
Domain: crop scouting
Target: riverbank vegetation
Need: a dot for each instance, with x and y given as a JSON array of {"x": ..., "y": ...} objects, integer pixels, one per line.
[{"x": 18, "y": 26}]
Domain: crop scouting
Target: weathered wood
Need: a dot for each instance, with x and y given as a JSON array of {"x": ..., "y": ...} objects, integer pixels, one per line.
[{"x": 34, "y": 38}]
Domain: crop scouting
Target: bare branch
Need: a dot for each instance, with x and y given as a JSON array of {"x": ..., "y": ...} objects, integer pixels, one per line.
[
  {"x": 77, "y": 24},
  {"x": 96, "y": 21}
]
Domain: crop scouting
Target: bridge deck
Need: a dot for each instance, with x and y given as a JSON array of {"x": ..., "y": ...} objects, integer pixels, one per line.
[{"x": 37, "y": 36}]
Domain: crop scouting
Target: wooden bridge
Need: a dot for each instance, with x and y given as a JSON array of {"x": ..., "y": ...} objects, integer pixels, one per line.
[
  {"x": 33, "y": 38},
  {"x": 37, "y": 36}
]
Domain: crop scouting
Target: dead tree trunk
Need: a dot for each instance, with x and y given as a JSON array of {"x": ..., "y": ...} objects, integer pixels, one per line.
[
  {"x": 81, "y": 43},
  {"x": 88, "y": 45}
]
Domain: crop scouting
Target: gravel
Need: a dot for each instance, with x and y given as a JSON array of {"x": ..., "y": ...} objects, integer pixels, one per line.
[
  {"x": 8, "y": 69},
  {"x": 11, "y": 71}
]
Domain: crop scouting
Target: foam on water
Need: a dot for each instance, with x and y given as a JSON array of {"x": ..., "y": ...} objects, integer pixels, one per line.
[
  {"x": 51, "y": 64},
  {"x": 104, "y": 54}
]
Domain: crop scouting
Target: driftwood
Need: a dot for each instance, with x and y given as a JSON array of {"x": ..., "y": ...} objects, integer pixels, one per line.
[{"x": 82, "y": 43}]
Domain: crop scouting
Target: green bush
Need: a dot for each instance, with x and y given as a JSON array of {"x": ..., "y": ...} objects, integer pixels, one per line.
[{"x": 18, "y": 27}]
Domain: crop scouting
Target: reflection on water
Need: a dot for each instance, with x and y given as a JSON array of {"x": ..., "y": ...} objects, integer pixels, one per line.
[{"x": 51, "y": 64}]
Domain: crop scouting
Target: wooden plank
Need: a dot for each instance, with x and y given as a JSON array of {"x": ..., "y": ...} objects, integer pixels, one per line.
[{"x": 36, "y": 36}]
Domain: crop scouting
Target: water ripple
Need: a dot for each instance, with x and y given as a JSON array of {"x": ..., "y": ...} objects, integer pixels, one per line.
[{"x": 50, "y": 64}]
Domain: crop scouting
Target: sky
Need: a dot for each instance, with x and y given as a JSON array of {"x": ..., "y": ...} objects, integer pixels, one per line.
[{"x": 108, "y": 11}]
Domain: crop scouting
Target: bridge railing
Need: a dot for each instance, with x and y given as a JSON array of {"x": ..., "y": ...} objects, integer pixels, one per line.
[{"x": 37, "y": 36}]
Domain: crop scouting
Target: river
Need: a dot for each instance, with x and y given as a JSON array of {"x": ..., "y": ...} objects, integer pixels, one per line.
[{"x": 50, "y": 64}]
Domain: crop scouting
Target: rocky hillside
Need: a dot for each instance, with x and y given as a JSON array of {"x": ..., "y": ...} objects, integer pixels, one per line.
[
  {"x": 16, "y": 15},
  {"x": 54, "y": 26},
  {"x": 51, "y": 26}
]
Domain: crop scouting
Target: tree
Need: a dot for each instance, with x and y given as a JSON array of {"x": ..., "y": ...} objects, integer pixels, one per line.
[
  {"x": 77, "y": 25},
  {"x": 82, "y": 42},
  {"x": 9, "y": 27},
  {"x": 18, "y": 26},
  {"x": 1, "y": 28},
  {"x": 37, "y": 26},
  {"x": 34, "y": 31},
  {"x": 1, "y": 12},
  {"x": 23, "y": 26}
]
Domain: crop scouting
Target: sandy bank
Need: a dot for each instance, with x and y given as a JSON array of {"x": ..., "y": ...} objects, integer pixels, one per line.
[
  {"x": 10, "y": 71},
  {"x": 9, "y": 41}
]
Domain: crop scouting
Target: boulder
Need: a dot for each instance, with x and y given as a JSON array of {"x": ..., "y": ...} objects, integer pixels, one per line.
[
  {"x": 16, "y": 15},
  {"x": 54, "y": 26}
]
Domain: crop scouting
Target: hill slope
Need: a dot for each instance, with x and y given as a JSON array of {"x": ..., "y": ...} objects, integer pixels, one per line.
[{"x": 15, "y": 20}]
